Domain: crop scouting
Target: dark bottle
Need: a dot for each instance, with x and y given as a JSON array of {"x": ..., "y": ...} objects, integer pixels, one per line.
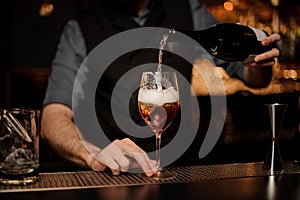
[{"x": 230, "y": 42}]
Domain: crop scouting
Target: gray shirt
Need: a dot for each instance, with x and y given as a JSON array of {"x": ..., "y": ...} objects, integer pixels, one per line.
[{"x": 72, "y": 51}]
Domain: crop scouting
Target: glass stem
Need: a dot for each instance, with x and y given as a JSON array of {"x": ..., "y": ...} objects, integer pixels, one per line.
[{"x": 158, "y": 142}]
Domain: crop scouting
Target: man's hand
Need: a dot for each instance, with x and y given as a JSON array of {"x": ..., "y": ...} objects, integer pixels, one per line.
[
  {"x": 266, "y": 59},
  {"x": 119, "y": 156},
  {"x": 259, "y": 73}
]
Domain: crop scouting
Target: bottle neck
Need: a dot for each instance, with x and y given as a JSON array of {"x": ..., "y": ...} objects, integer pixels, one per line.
[{"x": 199, "y": 36}]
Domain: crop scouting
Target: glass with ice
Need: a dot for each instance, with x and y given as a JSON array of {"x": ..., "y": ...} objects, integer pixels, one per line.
[
  {"x": 158, "y": 103},
  {"x": 19, "y": 146}
]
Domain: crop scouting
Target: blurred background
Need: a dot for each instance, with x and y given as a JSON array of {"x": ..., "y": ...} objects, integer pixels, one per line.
[{"x": 30, "y": 33}]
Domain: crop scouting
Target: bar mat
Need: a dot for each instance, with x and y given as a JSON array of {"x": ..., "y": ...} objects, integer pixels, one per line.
[{"x": 91, "y": 179}]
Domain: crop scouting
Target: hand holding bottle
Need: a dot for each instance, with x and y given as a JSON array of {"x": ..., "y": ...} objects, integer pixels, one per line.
[
  {"x": 235, "y": 42},
  {"x": 259, "y": 72},
  {"x": 267, "y": 58},
  {"x": 238, "y": 43}
]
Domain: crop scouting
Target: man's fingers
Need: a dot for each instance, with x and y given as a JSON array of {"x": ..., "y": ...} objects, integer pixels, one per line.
[
  {"x": 132, "y": 150},
  {"x": 97, "y": 166},
  {"x": 266, "y": 58},
  {"x": 120, "y": 159},
  {"x": 270, "y": 39},
  {"x": 115, "y": 172},
  {"x": 146, "y": 164},
  {"x": 267, "y": 55},
  {"x": 107, "y": 159},
  {"x": 114, "y": 156}
]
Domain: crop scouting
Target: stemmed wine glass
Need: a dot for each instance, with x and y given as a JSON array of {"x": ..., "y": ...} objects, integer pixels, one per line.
[{"x": 158, "y": 103}]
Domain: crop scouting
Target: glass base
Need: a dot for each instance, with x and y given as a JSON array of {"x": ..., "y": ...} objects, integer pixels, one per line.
[
  {"x": 8, "y": 179},
  {"x": 162, "y": 174},
  {"x": 24, "y": 181}
]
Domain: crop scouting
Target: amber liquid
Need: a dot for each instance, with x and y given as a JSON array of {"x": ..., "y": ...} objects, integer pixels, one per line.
[{"x": 158, "y": 117}]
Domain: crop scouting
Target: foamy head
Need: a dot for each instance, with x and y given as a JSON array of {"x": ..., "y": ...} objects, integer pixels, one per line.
[{"x": 169, "y": 95}]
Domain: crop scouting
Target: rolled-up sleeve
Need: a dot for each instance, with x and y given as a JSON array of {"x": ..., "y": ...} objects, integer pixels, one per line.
[{"x": 70, "y": 54}]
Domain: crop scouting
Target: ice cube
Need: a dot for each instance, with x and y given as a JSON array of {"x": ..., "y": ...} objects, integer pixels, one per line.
[
  {"x": 14, "y": 125},
  {"x": 18, "y": 158}
]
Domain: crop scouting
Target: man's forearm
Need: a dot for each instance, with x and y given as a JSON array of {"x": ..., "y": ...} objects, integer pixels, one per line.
[{"x": 61, "y": 133}]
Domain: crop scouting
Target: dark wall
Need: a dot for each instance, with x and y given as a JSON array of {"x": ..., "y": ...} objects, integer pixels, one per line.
[
  {"x": 32, "y": 38},
  {"x": 3, "y": 48},
  {"x": 28, "y": 39}
]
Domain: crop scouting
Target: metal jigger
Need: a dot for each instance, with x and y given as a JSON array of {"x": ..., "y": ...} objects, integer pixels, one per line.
[{"x": 273, "y": 161}]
